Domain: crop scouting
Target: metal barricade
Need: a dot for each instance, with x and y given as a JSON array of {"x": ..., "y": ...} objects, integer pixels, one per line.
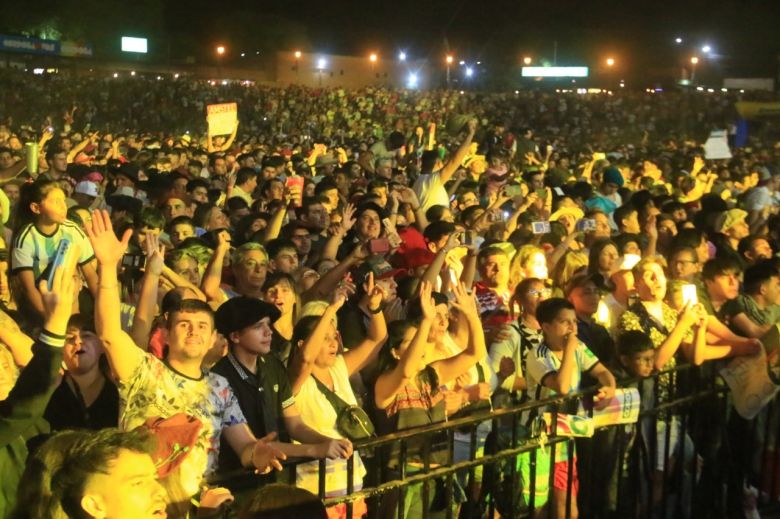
[{"x": 682, "y": 475}]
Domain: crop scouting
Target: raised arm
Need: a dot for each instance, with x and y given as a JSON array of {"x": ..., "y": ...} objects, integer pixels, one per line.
[
  {"x": 328, "y": 282},
  {"x": 301, "y": 366},
  {"x": 147, "y": 302},
  {"x": 123, "y": 354},
  {"x": 28, "y": 398},
  {"x": 560, "y": 381},
  {"x": 78, "y": 148},
  {"x": 18, "y": 342},
  {"x": 212, "y": 278},
  {"x": 357, "y": 357},
  {"x": 331, "y": 248},
  {"x": 689, "y": 317},
  {"x": 454, "y": 163},
  {"x": 449, "y": 369},
  {"x": 388, "y": 384}
]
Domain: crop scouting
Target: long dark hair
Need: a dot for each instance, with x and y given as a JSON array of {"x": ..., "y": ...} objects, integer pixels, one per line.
[
  {"x": 595, "y": 252},
  {"x": 29, "y": 194},
  {"x": 303, "y": 329}
]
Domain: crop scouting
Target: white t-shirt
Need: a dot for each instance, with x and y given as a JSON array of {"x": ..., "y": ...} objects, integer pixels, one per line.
[
  {"x": 318, "y": 413},
  {"x": 431, "y": 191},
  {"x": 34, "y": 250},
  {"x": 543, "y": 361}
]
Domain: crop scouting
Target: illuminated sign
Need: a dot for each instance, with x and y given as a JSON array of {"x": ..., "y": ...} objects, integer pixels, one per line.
[
  {"x": 130, "y": 44},
  {"x": 555, "y": 71}
]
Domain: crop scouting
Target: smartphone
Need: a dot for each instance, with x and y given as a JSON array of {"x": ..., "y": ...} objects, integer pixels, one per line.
[
  {"x": 558, "y": 191},
  {"x": 540, "y": 227},
  {"x": 541, "y": 193},
  {"x": 586, "y": 225},
  {"x": 59, "y": 260},
  {"x": 134, "y": 261},
  {"x": 379, "y": 246},
  {"x": 468, "y": 238},
  {"x": 513, "y": 190},
  {"x": 689, "y": 295}
]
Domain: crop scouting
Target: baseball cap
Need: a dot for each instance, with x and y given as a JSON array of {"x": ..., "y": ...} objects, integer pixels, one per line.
[
  {"x": 377, "y": 265},
  {"x": 728, "y": 219},
  {"x": 240, "y": 312},
  {"x": 86, "y": 187}
]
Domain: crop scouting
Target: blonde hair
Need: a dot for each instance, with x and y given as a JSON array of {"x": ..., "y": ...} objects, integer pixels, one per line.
[
  {"x": 567, "y": 266},
  {"x": 517, "y": 265}
]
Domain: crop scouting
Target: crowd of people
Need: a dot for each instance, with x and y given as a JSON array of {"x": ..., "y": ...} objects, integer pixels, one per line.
[{"x": 178, "y": 305}]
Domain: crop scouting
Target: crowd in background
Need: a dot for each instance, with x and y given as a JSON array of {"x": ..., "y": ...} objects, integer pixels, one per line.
[{"x": 349, "y": 263}]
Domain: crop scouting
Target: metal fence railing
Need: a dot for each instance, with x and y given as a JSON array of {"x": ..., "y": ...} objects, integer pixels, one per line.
[{"x": 689, "y": 455}]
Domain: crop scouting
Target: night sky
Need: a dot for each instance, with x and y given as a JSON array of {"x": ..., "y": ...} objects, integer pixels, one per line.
[
  {"x": 638, "y": 34},
  {"x": 743, "y": 34}
]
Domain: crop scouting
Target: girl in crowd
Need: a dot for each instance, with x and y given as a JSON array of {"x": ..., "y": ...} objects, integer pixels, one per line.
[
  {"x": 408, "y": 389},
  {"x": 319, "y": 373}
]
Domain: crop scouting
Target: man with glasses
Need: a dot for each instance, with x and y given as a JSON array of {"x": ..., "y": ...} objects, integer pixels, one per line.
[{"x": 684, "y": 264}]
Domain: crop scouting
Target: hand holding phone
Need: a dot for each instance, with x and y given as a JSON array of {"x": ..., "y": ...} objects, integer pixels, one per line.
[
  {"x": 58, "y": 261},
  {"x": 540, "y": 227}
]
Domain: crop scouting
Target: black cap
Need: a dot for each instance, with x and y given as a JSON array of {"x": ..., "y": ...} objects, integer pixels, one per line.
[{"x": 240, "y": 312}]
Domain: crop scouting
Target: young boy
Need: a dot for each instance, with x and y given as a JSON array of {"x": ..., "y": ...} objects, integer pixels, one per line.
[
  {"x": 631, "y": 443},
  {"x": 555, "y": 367}
]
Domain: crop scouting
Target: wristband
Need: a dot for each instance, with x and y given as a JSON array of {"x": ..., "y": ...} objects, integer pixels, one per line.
[{"x": 374, "y": 312}]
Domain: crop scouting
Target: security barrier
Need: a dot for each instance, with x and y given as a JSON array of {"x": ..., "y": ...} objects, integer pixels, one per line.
[{"x": 696, "y": 458}]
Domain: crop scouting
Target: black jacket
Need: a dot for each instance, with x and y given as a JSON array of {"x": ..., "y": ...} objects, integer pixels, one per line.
[{"x": 22, "y": 412}]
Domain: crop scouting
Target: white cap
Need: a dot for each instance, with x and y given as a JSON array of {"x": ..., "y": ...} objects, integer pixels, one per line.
[{"x": 86, "y": 187}]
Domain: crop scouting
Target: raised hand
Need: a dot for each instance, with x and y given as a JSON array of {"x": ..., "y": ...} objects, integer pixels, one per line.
[
  {"x": 108, "y": 249},
  {"x": 344, "y": 289},
  {"x": 58, "y": 301},
  {"x": 465, "y": 302},
  {"x": 374, "y": 292},
  {"x": 348, "y": 218},
  {"x": 427, "y": 304},
  {"x": 155, "y": 255}
]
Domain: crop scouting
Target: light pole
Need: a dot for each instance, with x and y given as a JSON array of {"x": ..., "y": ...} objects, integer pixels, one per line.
[
  {"x": 220, "y": 53},
  {"x": 449, "y": 62},
  {"x": 372, "y": 59},
  {"x": 320, "y": 67},
  {"x": 694, "y": 62},
  {"x": 297, "y": 63},
  {"x": 527, "y": 60}
]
